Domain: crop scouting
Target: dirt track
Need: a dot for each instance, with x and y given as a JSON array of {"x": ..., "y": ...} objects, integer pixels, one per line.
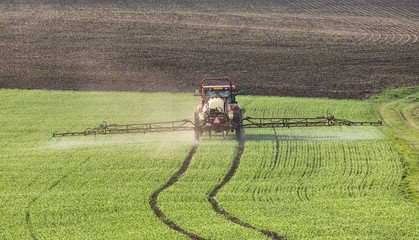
[
  {"x": 173, "y": 179},
  {"x": 211, "y": 198},
  {"x": 229, "y": 216}
]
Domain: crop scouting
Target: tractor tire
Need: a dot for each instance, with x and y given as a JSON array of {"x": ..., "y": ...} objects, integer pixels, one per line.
[
  {"x": 198, "y": 128},
  {"x": 240, "y": 134},
  {"x": 239, "y": 131}
]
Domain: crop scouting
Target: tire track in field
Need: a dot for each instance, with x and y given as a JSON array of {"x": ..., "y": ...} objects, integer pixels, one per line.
[
  {"x": 229, "y": 216},
  {"x": 154, "y": 197},
  {"x": 34, "y": 199}
]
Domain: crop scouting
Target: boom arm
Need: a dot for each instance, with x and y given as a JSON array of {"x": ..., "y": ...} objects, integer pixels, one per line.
[
  {"x": 250, "y": 122},
  {"x": 104, "y": 128}
]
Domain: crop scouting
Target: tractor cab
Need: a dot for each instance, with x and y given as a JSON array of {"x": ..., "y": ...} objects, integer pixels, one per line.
[{"x": 225, "y": 91}]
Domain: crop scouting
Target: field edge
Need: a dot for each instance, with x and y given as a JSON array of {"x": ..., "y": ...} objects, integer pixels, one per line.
[{"x": 390, "y": 107}]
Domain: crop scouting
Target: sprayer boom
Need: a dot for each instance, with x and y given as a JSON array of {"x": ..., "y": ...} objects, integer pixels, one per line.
[
  {"x": 104, "y": 128},
  {"x": 250, "y": 122},
  {"x": 188, "y": 125}
]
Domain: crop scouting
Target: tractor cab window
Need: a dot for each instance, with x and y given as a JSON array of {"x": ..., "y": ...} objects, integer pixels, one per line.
[{"x": 218, "y": 92}]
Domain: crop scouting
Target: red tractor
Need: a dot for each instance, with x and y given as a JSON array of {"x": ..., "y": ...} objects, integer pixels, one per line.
[{"x": 219, "y": 112}]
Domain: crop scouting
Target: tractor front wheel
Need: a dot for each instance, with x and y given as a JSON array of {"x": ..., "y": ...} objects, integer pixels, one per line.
[{"x": 198, "y": 128}]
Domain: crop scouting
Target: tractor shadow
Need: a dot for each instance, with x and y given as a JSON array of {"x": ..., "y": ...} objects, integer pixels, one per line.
[
  {"x": 288, "y": 138},
  {"x": 270, "y": 137}
]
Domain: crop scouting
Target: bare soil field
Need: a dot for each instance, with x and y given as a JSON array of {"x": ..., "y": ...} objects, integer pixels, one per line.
[{"x": 335, "y": 49}]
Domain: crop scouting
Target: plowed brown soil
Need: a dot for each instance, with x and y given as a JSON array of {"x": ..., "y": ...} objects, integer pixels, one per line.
[{"x": 335, "y": 49}]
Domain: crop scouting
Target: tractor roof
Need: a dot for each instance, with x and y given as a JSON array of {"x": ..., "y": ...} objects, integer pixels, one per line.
[{"x": 218, "y": 86}]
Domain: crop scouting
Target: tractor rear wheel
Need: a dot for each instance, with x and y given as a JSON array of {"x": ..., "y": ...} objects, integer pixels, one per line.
[
  {"x": 239, "y": 130},
  {"x": 198, "y": 128},
  {"x": 240, "y": 134}
]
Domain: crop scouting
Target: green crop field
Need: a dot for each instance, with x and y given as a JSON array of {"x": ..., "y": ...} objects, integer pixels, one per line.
[{"x": 302, "y": 183}]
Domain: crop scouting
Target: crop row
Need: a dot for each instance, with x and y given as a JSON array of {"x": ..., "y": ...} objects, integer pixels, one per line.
[
  {"x": 110, "y": 190},
  {"x": 331, "y": 187},
  {"x": 299, "y": 107},
  {"x": 333, "y": 182},
  {"x": 318, "y": 167}
]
